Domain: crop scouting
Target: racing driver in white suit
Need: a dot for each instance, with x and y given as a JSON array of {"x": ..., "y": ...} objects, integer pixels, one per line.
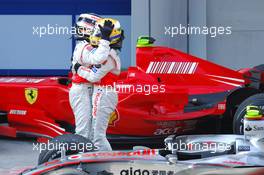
[
  {"x": 80, "y": 93},
  {"x": 103, "y": 74}
]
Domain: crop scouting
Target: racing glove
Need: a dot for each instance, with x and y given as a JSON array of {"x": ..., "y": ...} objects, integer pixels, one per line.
[
  {"x": 93, "y": 67},
  {"x": 106, "y": 30},
  {"x": 76, "y": 66}
]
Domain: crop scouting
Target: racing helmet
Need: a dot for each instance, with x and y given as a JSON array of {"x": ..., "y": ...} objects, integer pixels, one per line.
[
  {"x": 116, "y": 37},
  {"x": 85, "y": 25}
]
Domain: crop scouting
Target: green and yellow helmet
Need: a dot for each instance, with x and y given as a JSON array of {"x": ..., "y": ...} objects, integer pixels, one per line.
[{"x": 253, "y": 112}]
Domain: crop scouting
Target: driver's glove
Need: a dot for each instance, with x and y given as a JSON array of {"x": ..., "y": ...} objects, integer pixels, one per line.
[
  {"x": 106, "y": 30},
  {"x": 76, "y": 66}
]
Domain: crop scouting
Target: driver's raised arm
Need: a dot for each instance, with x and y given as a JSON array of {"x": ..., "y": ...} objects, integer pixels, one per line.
[
  {"x": 92, "y": 55},
  {"x": 97, "y": 55}
]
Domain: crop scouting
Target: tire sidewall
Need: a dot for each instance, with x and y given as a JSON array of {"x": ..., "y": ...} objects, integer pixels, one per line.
[{"x": 47, "y": 155}]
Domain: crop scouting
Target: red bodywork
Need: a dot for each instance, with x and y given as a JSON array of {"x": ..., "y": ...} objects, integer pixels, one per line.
[{"x": 164, "y": 94}]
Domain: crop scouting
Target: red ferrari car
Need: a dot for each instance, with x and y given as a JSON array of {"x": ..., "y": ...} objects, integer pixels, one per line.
[{"x": 167, "y": 92}]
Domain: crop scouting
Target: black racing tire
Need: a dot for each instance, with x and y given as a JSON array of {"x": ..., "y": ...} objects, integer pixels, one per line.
[
  {"x": 67, "y": 171},
  {"x": 72, "y": 142},
  {"x": 257, "y": 100}
]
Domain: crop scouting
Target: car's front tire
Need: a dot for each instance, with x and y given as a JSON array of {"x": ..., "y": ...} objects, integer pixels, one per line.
[
  {"x": 73, "y": 142},
  {"x": 238, "y": 121}
]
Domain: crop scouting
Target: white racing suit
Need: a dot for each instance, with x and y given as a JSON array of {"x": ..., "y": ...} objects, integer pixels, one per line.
[
  {"x": 80, "y": 93},
  {"x": 104, "y": 99}
]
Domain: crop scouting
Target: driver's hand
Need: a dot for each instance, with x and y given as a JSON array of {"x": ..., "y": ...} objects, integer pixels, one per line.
[{"x": 106, "y": 30}]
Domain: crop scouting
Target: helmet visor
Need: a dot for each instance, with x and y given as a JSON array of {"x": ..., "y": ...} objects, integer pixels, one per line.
[{"x": 87, "y": 21}]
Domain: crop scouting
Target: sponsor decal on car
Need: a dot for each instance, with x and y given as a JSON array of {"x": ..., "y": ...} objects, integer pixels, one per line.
[
  {"x": 221, "y": 106},
  {"x": 146, "y": 152},
  {"x": 248, "y": 128},
  {"x": 234, "y": 162},
  {"x": 17, "y": 112},
  {"x": 172, "y": 127},
  {"x": 258, "y": 128},
  {"x": 114, "y": 117},
  {"x": 166, "y": 124},
  {"x": 137, "y": 171},
  {"x": 166, "y": 131},
  {"x": 31, "y": 95},
  {"x": 74, "y": 157},
  {"x": 253, "y": 128},
  {"x": 243, "y": 148}
]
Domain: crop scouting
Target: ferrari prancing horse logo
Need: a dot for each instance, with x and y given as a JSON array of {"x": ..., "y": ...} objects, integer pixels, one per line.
[{"x": 31, "y": 95}]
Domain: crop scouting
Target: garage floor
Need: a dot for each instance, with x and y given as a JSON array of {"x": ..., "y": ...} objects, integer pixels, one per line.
[{"x": 16, "y": 154}]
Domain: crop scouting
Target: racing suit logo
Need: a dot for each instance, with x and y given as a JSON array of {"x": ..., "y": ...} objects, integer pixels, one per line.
[{"x": 31, "y": 95}]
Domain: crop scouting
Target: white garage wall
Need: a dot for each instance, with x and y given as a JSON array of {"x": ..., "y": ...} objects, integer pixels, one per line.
[
  {"x": 169, "y": 13},
  {"x": 244, "y": 48},
  {"x": 139, "y": 24},
  {"x": 163, "y": 13}
]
